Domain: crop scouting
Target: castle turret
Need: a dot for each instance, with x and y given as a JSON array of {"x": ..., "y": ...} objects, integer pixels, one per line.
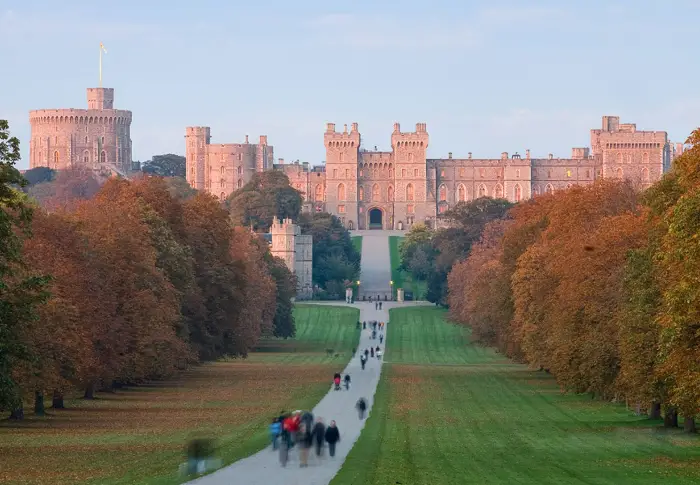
[
  {"x": 196, "y": 140},
  {"x": 342, "y": 154}
]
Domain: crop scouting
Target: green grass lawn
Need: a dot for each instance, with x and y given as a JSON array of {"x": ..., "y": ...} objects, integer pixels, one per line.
[
  {"x": 400, "y": 278},
  {"x": 449, "y": 412},
  {"x": 137, "y": 436}
]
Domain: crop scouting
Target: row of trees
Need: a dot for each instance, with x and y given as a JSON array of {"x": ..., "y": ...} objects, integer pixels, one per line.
[
  {"x": 598, "y": 285},
  {"x": 133, "y": 283}
]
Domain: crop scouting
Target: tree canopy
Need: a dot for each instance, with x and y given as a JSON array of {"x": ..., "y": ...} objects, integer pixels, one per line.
[
  {"x": 168, "y": 165},
  {"x": 266, "y": 196}
]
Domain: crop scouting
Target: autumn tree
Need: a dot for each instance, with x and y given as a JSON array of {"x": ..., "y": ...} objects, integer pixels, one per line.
[
  {"x": 19, "y": 293},
  {"x": 66, "y": 188}
]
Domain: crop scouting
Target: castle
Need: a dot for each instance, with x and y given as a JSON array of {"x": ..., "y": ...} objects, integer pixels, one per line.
[
  {"x": 394, "y": 189},
  {"x": 98, "y": 138},
  {"x": 296, "y": 250}
]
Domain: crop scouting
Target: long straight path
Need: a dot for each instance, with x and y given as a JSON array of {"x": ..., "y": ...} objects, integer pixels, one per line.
[
  {"x": 375, "y": 272},
  {"x": 264, "y": 467}
]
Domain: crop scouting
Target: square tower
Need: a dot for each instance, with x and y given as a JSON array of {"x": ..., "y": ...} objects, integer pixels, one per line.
[
  {"x": 197, "y": 139},
  {"x": 342, "y": 154},
  {"x": 410, "y": 171},
  {"x": 284, "y": 234}
]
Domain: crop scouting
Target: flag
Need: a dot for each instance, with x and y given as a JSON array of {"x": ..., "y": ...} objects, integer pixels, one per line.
[{"x": 102, "y": 46}]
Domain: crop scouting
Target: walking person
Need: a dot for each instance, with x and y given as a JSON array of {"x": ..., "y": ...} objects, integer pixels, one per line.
[
  {"x": 381, "y": 339},
  {"x": 363, "y": 361},
  {"x": 319, "y": 434},
  {"x": 353, "y": 352},
  {"x": 361, "y": 407},
  {"x": 275, "y": 431},
  {"x": 371, "y": 352},
  {"x": 366, "y": 354},
  {"x": 332, "y": 437},
  {"x": 305, "y": 441},
  {"x": 347, "y": 382},
  {"x": 364, "y": 325}
]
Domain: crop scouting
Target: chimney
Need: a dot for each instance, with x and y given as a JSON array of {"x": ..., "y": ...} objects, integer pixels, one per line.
[
  {"x": 280, "y": 161},
  {"x": 263, "y": 139},
  {"x": 551, "y": 156},
  {"x": 397, "y": 128},
  {"x": 246, "y": 139},
  {"x": 527, "y": 153},
  {"x": 354, "y": 127},
  {"x": 469, "y": 155},
  {"x": 504, "y": 155},
  {"x": 330, "y": 127},
  {"x": 449, "y": 155},
  {"x": 345, "y": 128}
]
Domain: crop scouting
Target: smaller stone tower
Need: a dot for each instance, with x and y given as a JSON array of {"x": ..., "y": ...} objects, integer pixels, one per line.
[
  {"x": 196, "y": 140},
  {"x": 283, "y": 241}
]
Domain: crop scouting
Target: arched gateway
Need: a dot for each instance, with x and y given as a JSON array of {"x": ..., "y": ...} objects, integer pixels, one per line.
[{"x": 376, "y": 218}]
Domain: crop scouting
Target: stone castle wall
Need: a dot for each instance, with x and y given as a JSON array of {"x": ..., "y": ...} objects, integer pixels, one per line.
[
  {"x": 403, "y": 187},
  {"x": 99, "y": 136}
]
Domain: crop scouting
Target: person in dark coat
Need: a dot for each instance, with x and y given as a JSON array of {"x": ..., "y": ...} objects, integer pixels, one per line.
[
  {"x": 332, "y": 437},
  {"x": 366, "y": 354},
  {"x": 361, "y": 407},
  {"x": 308, "y": 419},
  {"x": 371, "y": 351},
  {"x": 319, "y": 434},
  {"x": 363, "y": 361}
]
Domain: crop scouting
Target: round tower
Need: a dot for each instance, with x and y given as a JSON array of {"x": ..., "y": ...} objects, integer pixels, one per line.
[{"x": 97, "y": 137}]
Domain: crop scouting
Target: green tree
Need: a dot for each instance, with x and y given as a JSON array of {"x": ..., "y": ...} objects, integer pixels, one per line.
[
  {"x": 285, "y": 281},
  {"x": 266, "y": 196},
  {"x": 39, "y": 175},
  {"x": 168, "y": 165},
  {"x": 19, "y": 294},
  {"x": 335, "y": 260}
]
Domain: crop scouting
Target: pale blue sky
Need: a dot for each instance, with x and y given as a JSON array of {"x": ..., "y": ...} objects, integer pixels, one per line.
[{"x": 486, "y": 76}]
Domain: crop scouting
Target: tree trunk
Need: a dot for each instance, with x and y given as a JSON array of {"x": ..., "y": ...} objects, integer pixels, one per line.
[
  {"x": 689, "y": 425},
  {"x": 90, "y": 391},
  {"x": 39, "y": 409},
  {"x": 58, "y": 400},
  {"x": 17, "y": 414},
  {"x": 655, "y": 412},
  {"x": 671, "y": 418}
]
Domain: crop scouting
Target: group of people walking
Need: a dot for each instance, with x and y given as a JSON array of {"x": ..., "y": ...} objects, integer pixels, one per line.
[{"x": 300, "y": 430}]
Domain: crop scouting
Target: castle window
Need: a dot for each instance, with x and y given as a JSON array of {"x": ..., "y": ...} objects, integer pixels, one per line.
[
  {"x": 240, "y": 183},
  {"x": 517, "y": 174},
  {"x": 588, "y": 173},
  {"x": 618, "y": 172},
  {"x": 341, "y": 209},
  {"x": 361, "y": 193},
  {"x": 223, "y": 196},
  {"x": 410, "y": 158},
  {"x": 240, "y": 157},
  {"x": 86, "y": 157},
  {"x": 629, "y": 158},
  {"x": 462, "y": 193},
  {"x": 568, "y": 172},
  {"x": 335, "y": 173},
  {"x": 319, "y": 193},
  {"x": 340, "y": 157},
  {"x": 103, "y": 140},
  {"x": 482, "y": 172},
  {"x": 347, "y": 173},
  {"x": 461, "y": 171},
  {"x": 103, "y": 157},
  {"x": 443, "y": 193},
  {"x": 498, "y": 191},
  {"x": 375, "y": 193},
  {"x": 619, "y": 158},
  {"x": 549, "y": 173},
  {"x": 645, "y": 157},
  {"x": 239, "y": 170},
  {"x": 442, "y": 208},
  {"x": 535, "y": 190},
  {"x": 390, "y": 193},
  {"x": 223, "y": 170},
  {"x": 55, "y": 157},
  {"x": 482, "y": 190},
  {"x": 362, "y": 172},
  {"x": 192, "y": 171},
  {"x": 549, "y": 189},
  {"x": 410, "y": 209},
  {"x": 86, "y": 140},
  {"x": 415, "y": 172},
  {"x": 341, "y": 191},
  {"x": 222, "y": 184},
  {"x": 645, "y": 174},
  {"x": 442, "y": 172},
  {"x": 517, "y": 193},
  {"x": 403, "y": 172}
]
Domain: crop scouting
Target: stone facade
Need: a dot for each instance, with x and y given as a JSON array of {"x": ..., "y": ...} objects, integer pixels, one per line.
[
  {"x": 397, "y": 188},
  {"x": 296, "y": 250},
  {"x": 220, "y": 169},
  {"x": 98, "y": 137}
]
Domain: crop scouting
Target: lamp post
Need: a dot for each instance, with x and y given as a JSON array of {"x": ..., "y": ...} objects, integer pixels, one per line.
[{"x": 391, "y": 284}]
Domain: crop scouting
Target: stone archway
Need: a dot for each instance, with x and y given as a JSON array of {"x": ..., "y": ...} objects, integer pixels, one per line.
[{"x": 375, "y": 218}]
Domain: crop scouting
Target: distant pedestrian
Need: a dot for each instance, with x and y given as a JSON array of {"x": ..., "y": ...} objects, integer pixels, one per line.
[
  {"x": 380, "y": 305},
  {"x": 366, "y": 354},
  {"x": 361, "y": 407},
  {"x": 275, "y": 431},
  {"x": 332, "y": 437},
  {"x": 353, "y": 351},
  {"x": 364, "y": 325},
  {"x": 371, "y": 351},
  {"x": 319, "y": 433},
  {"x": 363, "y": 361},
  {"x": 381, "y": 338}
]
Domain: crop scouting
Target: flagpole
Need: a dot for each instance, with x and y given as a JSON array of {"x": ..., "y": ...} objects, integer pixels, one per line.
[{"x": 100, "y": 64}]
